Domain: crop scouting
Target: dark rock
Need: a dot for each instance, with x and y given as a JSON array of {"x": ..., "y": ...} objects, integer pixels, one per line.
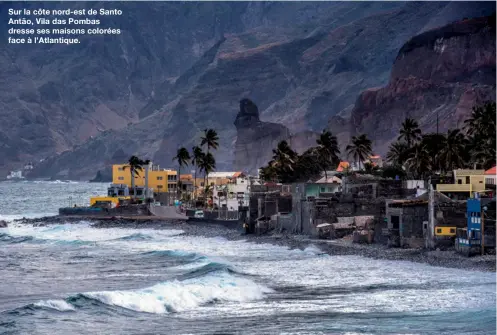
[
  {"x": 255, "y": 139},
  {"x": 3, "y": 224}
]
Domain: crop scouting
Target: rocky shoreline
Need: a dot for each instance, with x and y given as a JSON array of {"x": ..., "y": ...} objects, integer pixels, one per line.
[{"x": 446, "y": 258}]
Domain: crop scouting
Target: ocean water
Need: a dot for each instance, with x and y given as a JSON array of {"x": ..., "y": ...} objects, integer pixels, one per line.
[{"x": 75, "y": 279}]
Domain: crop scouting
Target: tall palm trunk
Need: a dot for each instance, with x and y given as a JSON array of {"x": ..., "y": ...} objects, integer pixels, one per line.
[
  {"x": 178, "y": 184},
  {"x": 195, "y": 184},
  {"x": 205, "y": 192},
  {"x": 133, "y": 187}
]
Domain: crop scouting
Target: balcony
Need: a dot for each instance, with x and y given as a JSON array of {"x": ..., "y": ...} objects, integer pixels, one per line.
[{"x": 460, "y": 188}]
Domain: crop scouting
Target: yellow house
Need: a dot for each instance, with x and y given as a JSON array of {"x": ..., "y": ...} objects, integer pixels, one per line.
[
  {"x": 160, "y": 180},
  {"x": 466, "y": 184}
]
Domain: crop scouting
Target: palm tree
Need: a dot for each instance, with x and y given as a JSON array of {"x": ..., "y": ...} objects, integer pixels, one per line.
[
  {"x": 454, "y": 147},
  {"x": 397, "y": 153},
  {"x": 409, "y": 132},
  {"x": 482, "y": 120},
  {"x": 135, "y": 166},
  {"x": 268, "y": 173},
  {"x": 481, "y": 127},
  {"x": 328, "y": 150},
  {"x": 206, "y": 164},
  {"x": 284, "y": 160},
  {"x": 433, "y": 143},
  {"x": 196, "y": 158},
  {"x": 360, "y": 148},
  {"x": 182, "y": 157},
  {"x": 420, "y": 161},
  {"x": 210, "y": 138}
]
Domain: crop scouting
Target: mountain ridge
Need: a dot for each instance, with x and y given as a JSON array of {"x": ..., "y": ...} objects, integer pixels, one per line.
[{"x": 300, "y": 79}]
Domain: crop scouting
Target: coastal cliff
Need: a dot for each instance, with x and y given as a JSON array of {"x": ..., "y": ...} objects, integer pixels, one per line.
[{"x": 437, "y": 77}]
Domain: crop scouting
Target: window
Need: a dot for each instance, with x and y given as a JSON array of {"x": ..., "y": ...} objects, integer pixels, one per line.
[
  {"x": 202, "y": 184},
  {"x": 452, "y": 231},
  {"x": 322, "y": 189},
  {"x": 159, "y": 186},
  {"x": 120, "y": 178},
  {"x": 159, "y": 178},
  {"x": 171, "y": 177},
  {"x": 467, "y": 180},
  {"x": 459, "y": 181},
  {"x": 120, "y": 168},
  {"x": 439, "y": 230}
]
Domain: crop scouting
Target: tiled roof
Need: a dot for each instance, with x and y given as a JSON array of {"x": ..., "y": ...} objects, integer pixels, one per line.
[
  {"x": 342, "y": 166},
  {"x": 491, "y": 171}
]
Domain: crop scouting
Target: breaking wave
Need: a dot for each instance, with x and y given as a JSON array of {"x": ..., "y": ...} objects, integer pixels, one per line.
[
  {"x": 59, "y": 305},
  {"x": 177, "y": 296}
]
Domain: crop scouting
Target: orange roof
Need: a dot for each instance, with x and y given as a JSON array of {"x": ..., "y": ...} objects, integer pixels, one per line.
[
  {"x": 342, "y": 166},
  {"x": 236, "y": 174},
  {"x": 491, "y": 171},
  {"x": 185, "y": 177},
  {"x": 375, "y": 157}
]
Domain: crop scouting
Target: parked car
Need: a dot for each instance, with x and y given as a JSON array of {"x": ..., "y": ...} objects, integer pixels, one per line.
[{"x": 199, "y": 214}]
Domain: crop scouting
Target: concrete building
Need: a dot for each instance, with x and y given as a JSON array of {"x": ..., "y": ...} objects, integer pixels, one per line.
[
  {"x": 490, "y": 176},
  {"x": 234, "y": 193},
  {"x": 466, "y": 184},
  {"x": 187, "y": 184},
  {"x": 323, "y": 186},
  {"x": 407, "y": 222},
  {"x": 160, "y": 180},
  {"x": 376, "y": 160},
  {"x": 418, "y": 185}
]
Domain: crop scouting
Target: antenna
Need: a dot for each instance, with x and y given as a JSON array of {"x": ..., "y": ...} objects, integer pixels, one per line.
[{"x": 437, "y": 121}]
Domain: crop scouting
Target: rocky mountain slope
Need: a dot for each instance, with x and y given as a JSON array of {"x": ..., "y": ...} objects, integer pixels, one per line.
[
  {"x": 298, "y": 75},
  {"x": 55, "y": 97},
  {"x": 442, "y": 72}
]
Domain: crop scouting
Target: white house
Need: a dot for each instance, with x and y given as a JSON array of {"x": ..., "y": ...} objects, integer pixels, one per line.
[{"x": 232, "y": 195}]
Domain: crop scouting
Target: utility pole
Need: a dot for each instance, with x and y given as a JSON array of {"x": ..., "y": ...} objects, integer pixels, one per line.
[
  {"x": 431, "y": 217},
  {"x": 482, "y": 232}
]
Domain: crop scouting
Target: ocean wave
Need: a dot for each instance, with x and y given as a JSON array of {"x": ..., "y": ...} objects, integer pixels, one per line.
[
  {"x": 169, "y": 253},
  {"x": 135, "y": 237},
  {"x": 6, "y": 238},
  {"x": 72, "y": 242},
  {"x": 208, "y": 268},
  {"x": 178, "y": 296},
  {"x": 59, "y": 305},
  {"x": 313, "y": 250}
]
